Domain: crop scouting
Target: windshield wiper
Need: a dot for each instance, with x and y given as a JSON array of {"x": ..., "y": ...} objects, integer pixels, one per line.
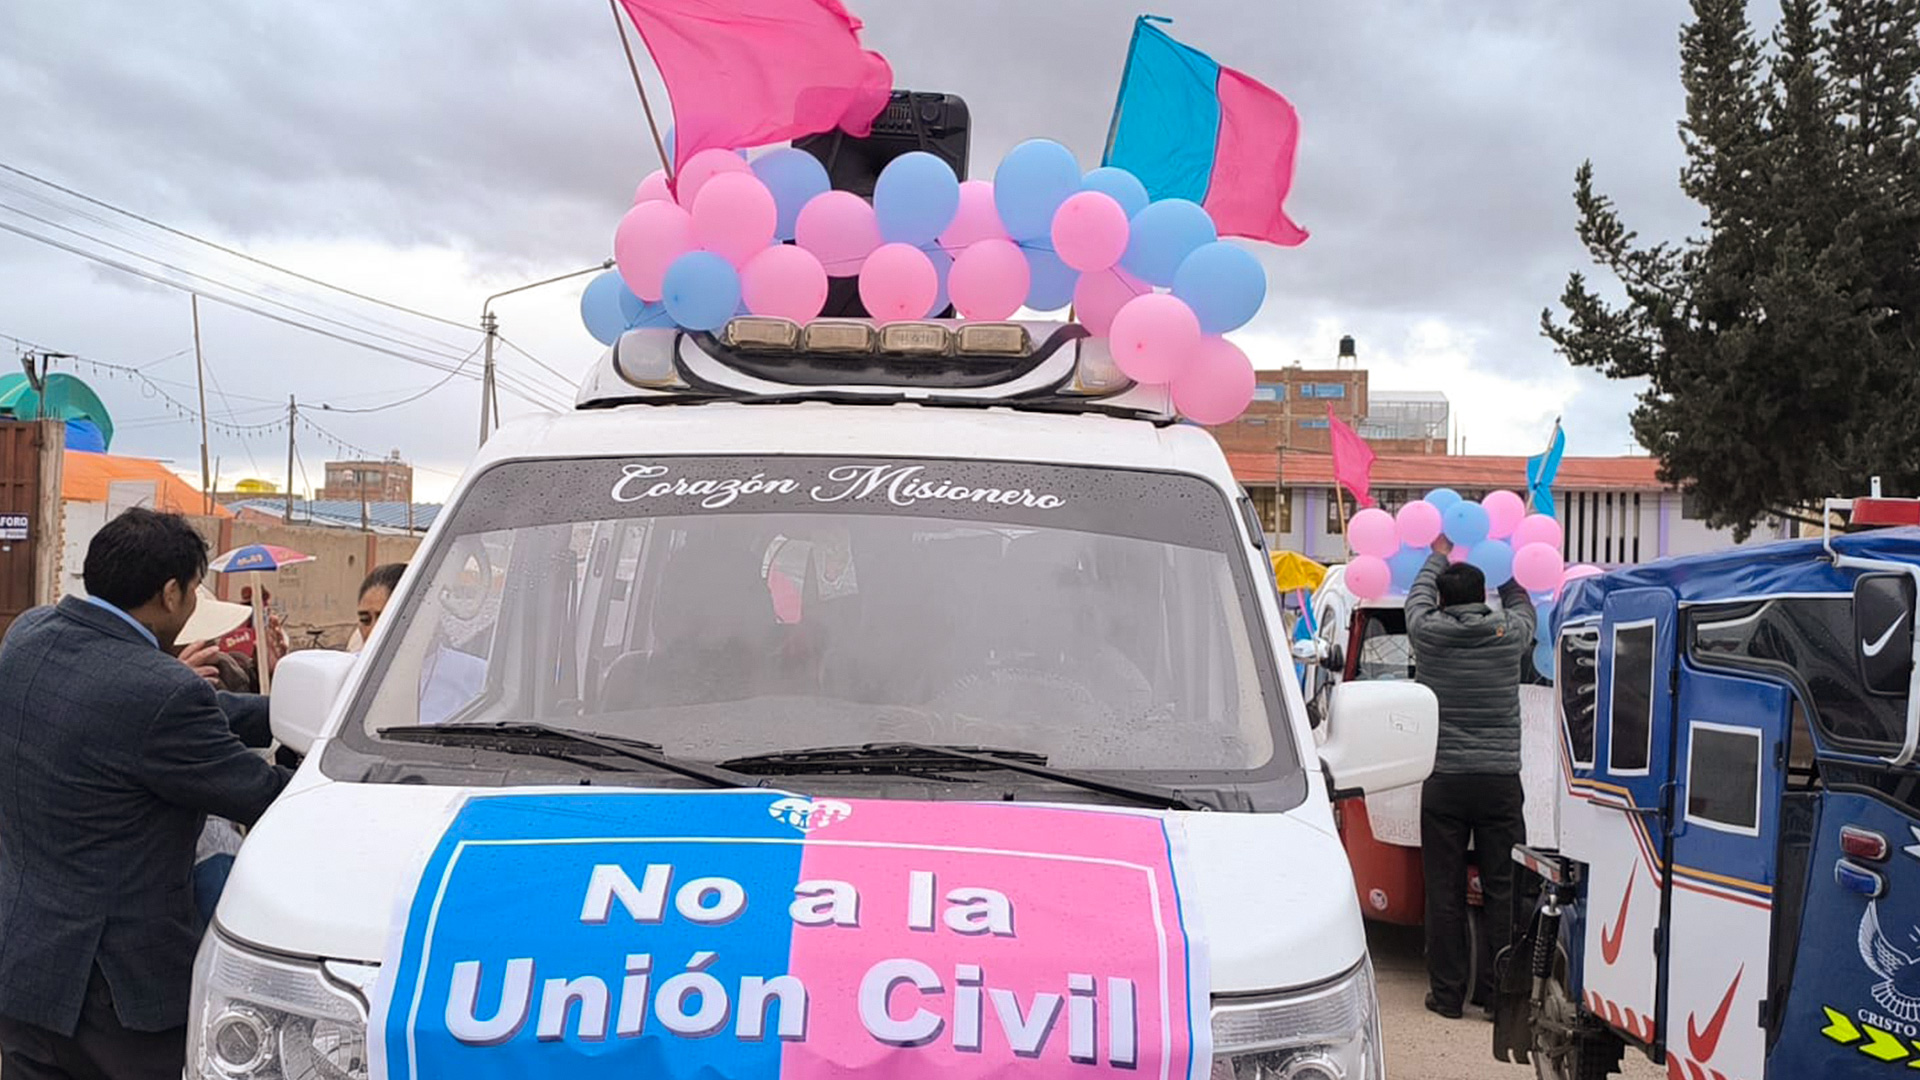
[
  {"x": 895, "y": 756},
  {"x": 631, "y": 749}
]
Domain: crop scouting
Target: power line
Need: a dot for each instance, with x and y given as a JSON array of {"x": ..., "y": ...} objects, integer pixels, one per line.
[
  {"x": 541, "y": 364},
  {"x": 255, "y": 295},
  {"x": 444, "y": 380},
  {"x": 227, "y": 250},
  {"x": 229, "y": 302}
]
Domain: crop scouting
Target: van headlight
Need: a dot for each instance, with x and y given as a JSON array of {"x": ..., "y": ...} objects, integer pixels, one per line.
[
  {"x": 1329, "y": 1032},
  {"x": 259, "y": 1017}
]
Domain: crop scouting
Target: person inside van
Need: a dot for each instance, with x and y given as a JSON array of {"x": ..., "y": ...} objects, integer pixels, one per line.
[
  {"x": 1469, "y": 655},
  {"x": 374, "y": 594}
]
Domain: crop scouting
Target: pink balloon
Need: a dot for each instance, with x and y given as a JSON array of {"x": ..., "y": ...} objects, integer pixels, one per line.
[
  {"x": 989, "y": 280},
  {"x": 734, "y": 217},
  {"x": 703, "y": 167},
  {"x": 1153, "y": 338},
  {"x": 1504, "y": 512},
  {"x": 1218, "y": 386},
  {"x": 1090, "y": 231},
  {"x": 1538, "y": 529},
  {"x": 1097, "y": 296},
  {"x": 649, "y": 238},
  {"x": 840, "y": 229},
  {"x": 786, "y": 281},
  {"x": 1373, "y": 532},
  {"x": 898, "y": 282},
  {"x": 654, "y": 188},
  {"x": 1369, "y": 577},
  {"x": 1458, "y": 554},
  {"x": 1418, "y": 523},
  {"x": 976, "y": 220},
  {"x": 1538, "y": 568}
]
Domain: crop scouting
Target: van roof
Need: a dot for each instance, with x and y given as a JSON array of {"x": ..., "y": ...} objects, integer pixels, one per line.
[
  {"x": 724, "y": 428},
  {"x": 1795, "y": 566}
]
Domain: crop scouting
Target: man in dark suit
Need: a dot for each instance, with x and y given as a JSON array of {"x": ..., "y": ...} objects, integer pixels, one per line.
[{"x": 112, "y": 753}]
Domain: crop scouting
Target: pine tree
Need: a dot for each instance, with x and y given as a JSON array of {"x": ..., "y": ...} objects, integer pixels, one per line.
[{"x": 1780, "y": 348}]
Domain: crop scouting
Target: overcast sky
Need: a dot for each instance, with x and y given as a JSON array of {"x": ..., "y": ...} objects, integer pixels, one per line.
[{"x": 431, "y": 158}]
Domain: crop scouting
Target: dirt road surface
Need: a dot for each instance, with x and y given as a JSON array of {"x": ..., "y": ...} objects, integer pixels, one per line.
[{"x": 1422, "y": 1046}]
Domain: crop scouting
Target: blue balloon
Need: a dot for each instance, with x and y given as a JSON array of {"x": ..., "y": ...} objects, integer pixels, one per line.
[
  {"x": 942, "y": 270},
  {"x": 1120, "y": 185},
  {"x": 1406, "y": 566},
  {"x": 1466, "y": 523},
  {"x": 794, "y": 176},
  {"x": 1223, "y": 284},
  {"x": 1163, "y": 235},
  {"x": 1443, "y": 499},
  {"x": 915, "y": 198},
  {"x": 1494, "y": 558},
  {"x": 1543, "y": 624},
  {"x": 650, "y": 315},
  {"x": 1031, "y": 183},
  {"x": 1543, "y": 660},
  {"x": 701, "y": 291},
  {"x": 1052, "y": 280},
  {"x": 606, "y": 306}
]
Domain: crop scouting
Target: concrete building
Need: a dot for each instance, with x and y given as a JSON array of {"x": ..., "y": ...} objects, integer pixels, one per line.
[
  {"x": 1289, "y": 413},
  {"x": 1615, "y": 509},
  {"x": 390, "y": 480}
]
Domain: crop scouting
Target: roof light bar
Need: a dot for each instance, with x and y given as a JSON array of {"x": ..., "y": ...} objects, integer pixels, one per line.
[
  {"x": 994, "y": 339},
  {"x": 1095, "y": 374},
  {"x": 916, "y": 339},
  {"x": 762, "y": 332},
  {"x": 837, "y": 336}
]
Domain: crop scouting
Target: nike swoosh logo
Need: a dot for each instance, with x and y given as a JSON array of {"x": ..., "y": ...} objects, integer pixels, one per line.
[
  {"x": 1610, "y": 940},
  {"x": 1704, "y": 1043},
  {"x": 1873, "y": 650}
]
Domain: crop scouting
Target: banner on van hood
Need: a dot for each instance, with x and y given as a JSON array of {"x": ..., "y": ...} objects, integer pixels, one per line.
[{"x": 757, "y": 934}]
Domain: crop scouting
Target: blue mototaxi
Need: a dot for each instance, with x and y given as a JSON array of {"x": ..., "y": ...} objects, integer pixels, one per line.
[{"x": 1734, "y": 890}]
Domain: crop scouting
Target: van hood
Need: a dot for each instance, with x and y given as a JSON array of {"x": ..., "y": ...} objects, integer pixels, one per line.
[{"x": 329, "y": 869}]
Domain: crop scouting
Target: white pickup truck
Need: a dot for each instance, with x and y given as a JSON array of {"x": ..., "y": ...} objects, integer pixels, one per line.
[{"x": 923, "y": 580}]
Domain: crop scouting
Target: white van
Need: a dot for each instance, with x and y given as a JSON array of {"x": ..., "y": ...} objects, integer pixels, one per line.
[{"x": 837, "y": 700}]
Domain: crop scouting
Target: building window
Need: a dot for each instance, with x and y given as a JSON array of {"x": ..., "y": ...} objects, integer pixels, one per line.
[
  {"x": 1313, "y": 425},
  {"x": 1579, "y": 682},
  {"x": 1254, "y": 421},
  {"x": 1323, "y": 390},
  {"x": 1723, "y": 777},
  {"x": 1275, "y": 517},
  {"x": 1269, "y": 393},
  {"x": 1630, "y": 713},
  {"x": 1690, "y": 507}
]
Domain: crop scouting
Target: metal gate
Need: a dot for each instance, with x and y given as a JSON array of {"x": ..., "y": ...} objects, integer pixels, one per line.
[{"x": 19, "y": 509}]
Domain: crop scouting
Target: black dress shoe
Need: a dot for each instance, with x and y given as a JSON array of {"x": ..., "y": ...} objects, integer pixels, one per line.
[{"x": 1451, "y": 1012}]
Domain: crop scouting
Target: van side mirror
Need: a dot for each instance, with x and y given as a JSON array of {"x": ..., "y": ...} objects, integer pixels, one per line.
[
  {"x": 1380, "y": 735},
  {"x": 1883, "y": 632},
  {"x": 306, "y": 686}
]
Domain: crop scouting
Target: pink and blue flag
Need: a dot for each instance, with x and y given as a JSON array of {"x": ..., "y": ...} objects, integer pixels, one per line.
[
  {"x": 1192, "y": 129},
  {"x": 748, "y": 73},
  {"x": 683, "y": 935}
]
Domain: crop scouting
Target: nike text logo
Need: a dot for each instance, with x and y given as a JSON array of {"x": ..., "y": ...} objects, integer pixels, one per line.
[
  {"x": 1873, "y": 649},
  {"x": 1704, "y": 1043},
  {"x": 1610, "y": 940}
]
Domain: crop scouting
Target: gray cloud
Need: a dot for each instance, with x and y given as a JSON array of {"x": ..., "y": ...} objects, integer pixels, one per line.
[{"x": 1440, "y": 142}]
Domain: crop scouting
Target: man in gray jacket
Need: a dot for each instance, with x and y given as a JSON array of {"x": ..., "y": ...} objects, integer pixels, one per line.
[{"x": 1470, "y": 655}]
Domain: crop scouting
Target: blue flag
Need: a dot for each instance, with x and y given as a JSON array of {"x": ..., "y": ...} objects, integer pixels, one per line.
[{"x": 1541, "y": 471}]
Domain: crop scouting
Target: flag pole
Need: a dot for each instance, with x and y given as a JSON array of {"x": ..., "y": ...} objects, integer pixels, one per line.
[{"x": 646, "y": 106}]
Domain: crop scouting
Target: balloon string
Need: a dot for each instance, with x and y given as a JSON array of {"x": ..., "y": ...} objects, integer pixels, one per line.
[{"x": 633, "y": 66}]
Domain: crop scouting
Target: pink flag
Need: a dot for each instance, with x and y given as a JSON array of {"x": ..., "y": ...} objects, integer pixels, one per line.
[
  {"x": 1352, "y": 460},
  {"x": 1253, "y": 163},
  {"x": 747, "y": 73}
]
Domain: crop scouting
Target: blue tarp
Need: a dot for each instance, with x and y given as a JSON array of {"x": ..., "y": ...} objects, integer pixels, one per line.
[{"x": 1796, "y": 566}]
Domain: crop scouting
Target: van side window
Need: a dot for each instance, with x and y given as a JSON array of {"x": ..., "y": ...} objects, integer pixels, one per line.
[
  {"x": 1813, "y": 637},
  {"x": 1630, "y": 731},
  {"x": 1579, "y": 681},
  {"x": 1723, "y": 777}
]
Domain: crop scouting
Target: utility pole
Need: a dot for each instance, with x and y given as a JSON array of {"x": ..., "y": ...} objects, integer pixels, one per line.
[
  {"x": 200, "y": 373},
  {"x": 491, "y": 327},
  {"x": 293, "y": 417}
]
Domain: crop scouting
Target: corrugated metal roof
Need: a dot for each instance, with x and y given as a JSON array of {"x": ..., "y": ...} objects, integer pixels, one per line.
[
  {"x": 87, "y": 477},
  {"x": 342, "y": 514},
  {"x": 1445, "y": 470}
]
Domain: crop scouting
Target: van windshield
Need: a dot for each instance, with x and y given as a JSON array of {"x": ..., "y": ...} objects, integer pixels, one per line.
[{"x": 1103, "y": 619}]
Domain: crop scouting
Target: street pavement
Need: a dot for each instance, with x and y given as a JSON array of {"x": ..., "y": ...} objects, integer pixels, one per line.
[{"x": 1423, "y": 1046}]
